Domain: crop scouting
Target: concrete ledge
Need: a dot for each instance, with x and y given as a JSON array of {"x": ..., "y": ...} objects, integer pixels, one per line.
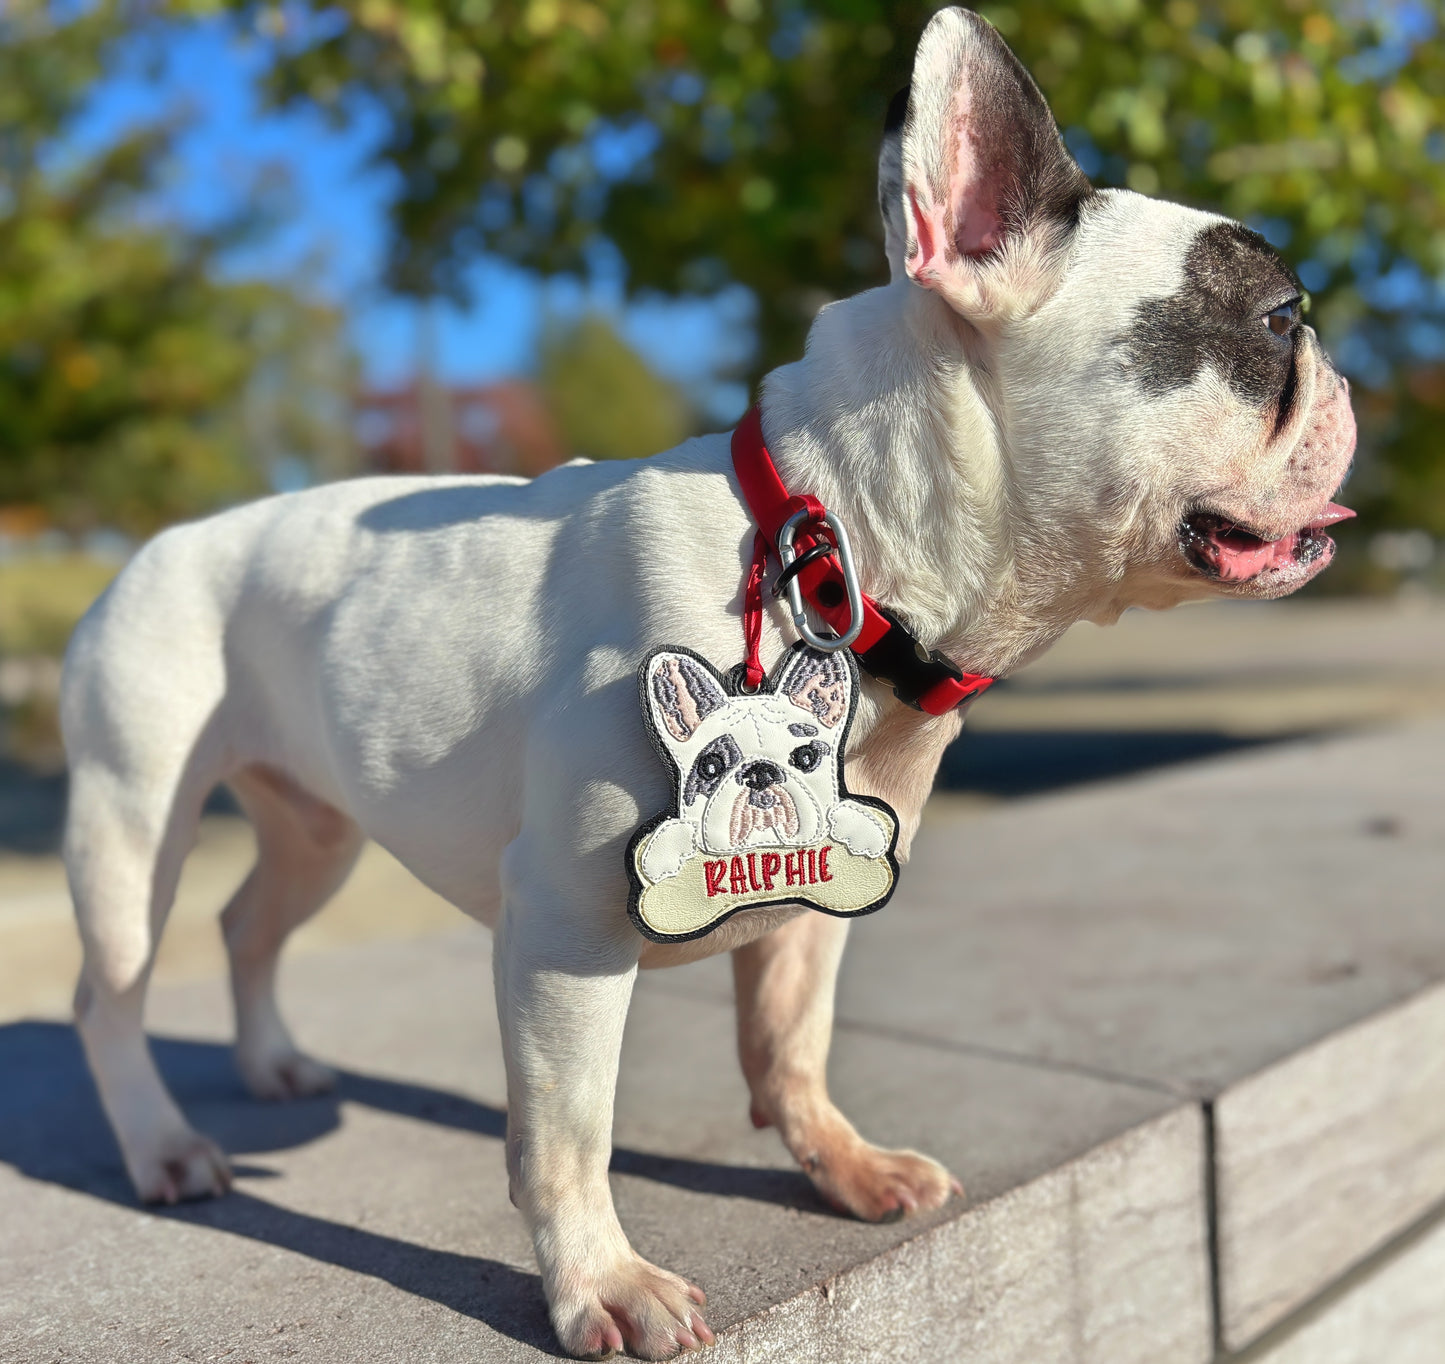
[
  {"x": 1100, "y": 1260},
  {"x": 1322, "y": 1158},
  {"x": 1063, "y": 994},
  {"x": 1395, "y": 1312}
]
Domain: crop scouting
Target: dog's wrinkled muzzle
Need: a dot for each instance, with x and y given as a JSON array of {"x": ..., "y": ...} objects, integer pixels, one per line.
[{"x": 763, "y": 814}]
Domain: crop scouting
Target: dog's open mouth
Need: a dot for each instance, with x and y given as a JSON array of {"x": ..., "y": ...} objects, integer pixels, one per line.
[{"x": 1233, "y": 553}]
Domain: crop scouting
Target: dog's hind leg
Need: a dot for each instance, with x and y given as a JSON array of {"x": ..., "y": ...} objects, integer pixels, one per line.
[
  {"x": 304, "y": 850},
  {"x": 784, "y": 984},
  {"x": 127, "y": 834}
]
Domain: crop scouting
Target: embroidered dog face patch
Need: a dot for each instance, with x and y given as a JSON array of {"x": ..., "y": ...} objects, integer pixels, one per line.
[{"x": 762, "y": 814}]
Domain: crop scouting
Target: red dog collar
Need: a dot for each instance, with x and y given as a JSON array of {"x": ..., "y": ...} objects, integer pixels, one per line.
[{"x": 885, "y": 647}]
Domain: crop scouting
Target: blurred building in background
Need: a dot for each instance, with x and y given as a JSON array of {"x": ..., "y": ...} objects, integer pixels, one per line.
[
  {"x": 593, "y": 395},
  {"x": 427, "y": 427}
]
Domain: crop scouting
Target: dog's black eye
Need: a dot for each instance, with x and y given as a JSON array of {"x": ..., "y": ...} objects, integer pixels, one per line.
[
  {"x": 807, "y": 756},
  {"x": 709, "y": 767},
  {"x": 1280, "y": 320}
]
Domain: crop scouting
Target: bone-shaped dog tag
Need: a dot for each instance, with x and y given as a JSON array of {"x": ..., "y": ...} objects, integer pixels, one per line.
[{"x": 761, "y": 813}]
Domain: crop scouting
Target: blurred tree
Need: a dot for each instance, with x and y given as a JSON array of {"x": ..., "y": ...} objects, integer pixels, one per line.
[
  {"x": 1407, "y": 419},
  {"x": 122, "y": 358},
  {"x": 745, "y": 136},
  {"x": 297, "y": 408},
  {"x": 605, "y": 400},
  {"x": 736, "y": 140}
]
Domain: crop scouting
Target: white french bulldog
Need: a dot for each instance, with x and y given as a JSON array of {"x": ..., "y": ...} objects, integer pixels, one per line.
[
  {"x": 760, "y": 771},
  {"x": 1068, "y": 402}
]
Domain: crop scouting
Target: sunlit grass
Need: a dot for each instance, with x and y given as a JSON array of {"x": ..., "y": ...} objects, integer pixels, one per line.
[{"x": 43, "y": 596}]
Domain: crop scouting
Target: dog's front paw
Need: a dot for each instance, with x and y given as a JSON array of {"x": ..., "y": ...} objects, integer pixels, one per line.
[
  {"x": 859, "y": 829},
  {"x": 668, "y": 847},
  {"x": 878, "y": 1185},
  {"x": 635, "y": 1307},
  {"x": 181, "y": 1166}
]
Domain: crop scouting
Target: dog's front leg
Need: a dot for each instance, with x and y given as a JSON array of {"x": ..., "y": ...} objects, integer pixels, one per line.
[
  {"x": 562, "y": 994},
  {"x": 785, "y": 984}
]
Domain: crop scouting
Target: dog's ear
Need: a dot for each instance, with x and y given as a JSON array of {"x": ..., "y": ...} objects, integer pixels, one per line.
[
  {"x": 682, "y": 694},
  {"x": 818, "y": 683},
  {"x": 890, "y": 186},
  {"x": 990, "y": 193}
]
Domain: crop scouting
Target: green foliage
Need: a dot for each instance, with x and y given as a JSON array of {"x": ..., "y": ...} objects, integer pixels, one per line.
[
  {"x": 768, "y": 117},
  {"x": 606, "y": 401},
  {"x": 122, "y": 359}
]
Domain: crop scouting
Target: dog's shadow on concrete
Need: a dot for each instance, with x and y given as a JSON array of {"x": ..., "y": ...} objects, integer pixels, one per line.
[{"x": 52, "y": 1129}]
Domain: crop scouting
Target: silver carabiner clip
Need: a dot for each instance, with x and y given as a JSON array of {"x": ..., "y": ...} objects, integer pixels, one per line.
[{"x": 786, "y": 555}]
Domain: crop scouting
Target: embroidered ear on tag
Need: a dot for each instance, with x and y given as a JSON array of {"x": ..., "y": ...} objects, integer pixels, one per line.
[{"x": 761, "y": 813}]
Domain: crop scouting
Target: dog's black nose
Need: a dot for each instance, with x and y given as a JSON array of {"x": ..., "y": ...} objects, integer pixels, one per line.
[{"x": 760, "y": 775}]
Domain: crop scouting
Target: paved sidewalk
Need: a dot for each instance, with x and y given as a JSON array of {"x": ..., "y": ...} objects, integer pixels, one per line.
[
  {"x": 1174, "y": 686},
  {"x": 40, "y": 952},
  {"x": 1058, "y": 984}
]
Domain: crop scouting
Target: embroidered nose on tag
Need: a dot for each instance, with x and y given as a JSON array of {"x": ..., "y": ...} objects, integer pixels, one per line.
[{"x": 761, "y": 814}]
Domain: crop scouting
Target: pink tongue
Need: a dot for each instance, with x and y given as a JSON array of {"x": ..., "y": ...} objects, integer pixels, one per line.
[
  {"x": 1334, "y": 512},
  {"x": 1234, "y": 562},
  {"x": 1235, "y": 559}
]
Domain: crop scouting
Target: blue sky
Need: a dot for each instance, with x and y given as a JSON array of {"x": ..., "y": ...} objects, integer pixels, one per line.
[{"x": 332, "y": 239}]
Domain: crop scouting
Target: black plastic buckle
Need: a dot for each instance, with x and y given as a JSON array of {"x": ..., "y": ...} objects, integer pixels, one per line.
[{"x": 900, "y": 660}]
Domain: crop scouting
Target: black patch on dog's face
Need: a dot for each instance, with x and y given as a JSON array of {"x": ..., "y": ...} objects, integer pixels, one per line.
[
  {"x": 1232, "y": 278},
  {"x": 712, "y": 765}
]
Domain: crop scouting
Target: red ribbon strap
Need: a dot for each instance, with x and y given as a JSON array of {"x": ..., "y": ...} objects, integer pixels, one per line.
[{"x": 753, "y": 614}]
